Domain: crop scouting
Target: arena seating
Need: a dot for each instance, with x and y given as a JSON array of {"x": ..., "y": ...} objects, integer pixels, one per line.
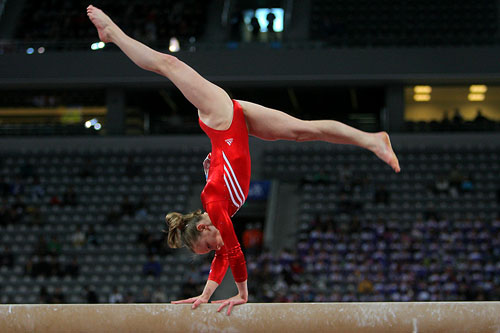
[
  {"x": 417, "y": 241},
  {"x": 366, "y": 23},
  {"x": 151, "y": 21},
  {"x": 101, "y": 178}
]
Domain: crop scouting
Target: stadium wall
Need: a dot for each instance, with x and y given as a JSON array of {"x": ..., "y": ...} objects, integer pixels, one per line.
[
  {"x": 260, "y": 66},
  {"x": 131, "y": 143}
]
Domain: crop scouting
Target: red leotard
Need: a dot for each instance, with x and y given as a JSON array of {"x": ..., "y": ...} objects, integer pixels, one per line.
[{"x": 228, "y": 180}]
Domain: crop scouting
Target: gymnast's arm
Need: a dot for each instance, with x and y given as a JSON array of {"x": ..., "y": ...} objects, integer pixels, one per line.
[{"x": 230, "y": 255}]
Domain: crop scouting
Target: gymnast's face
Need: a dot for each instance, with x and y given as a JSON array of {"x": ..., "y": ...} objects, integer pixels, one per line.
[{"x": 210, "y": 238}]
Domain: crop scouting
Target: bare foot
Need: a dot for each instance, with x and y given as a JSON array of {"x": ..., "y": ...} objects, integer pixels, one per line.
[
  {"x": 383, "y": 150},
  {"x": 105, "y": 26}
]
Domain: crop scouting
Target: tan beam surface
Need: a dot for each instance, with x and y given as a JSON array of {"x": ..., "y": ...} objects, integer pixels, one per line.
[{"x": 255, "y": 317}]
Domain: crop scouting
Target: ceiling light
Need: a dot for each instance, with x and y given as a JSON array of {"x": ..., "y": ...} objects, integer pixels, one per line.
[
  {"x": 478, "y": 88},
  {"x": 476, "y": 97},
  {"x": 422, "y": 89},
  {"x": 422, "y": 97}
]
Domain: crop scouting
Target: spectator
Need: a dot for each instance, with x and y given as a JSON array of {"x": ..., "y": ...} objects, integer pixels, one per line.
[
  {"x": 92, "y": 237},
  {"x": 455, "y": 179},
  {"x": 73, "y": 268},
  {"x": 6, "y": 257},
  {"x": 55, "y": 200},
  {"x": 58, "y": 296},
  {"x": 54, "y": 246},
  {"x": 90, "y": 295},
  {"x": 41, "y": 248},
  {"x": 254, "y": 23},
  {"x": 5, "y": 213},
  {"x": 143, "y": 236},
  {"x": 365, "y": 286},
  {"x": 129, "y": 298},
  {"x": 18, "y": 210},
  {"x": 441, "y": 185},
  {"x": 253, "y": 238},
  {"x": 270, "y": 26},
  {"x": 116, "y": 296},
  {"x": 29, "y": 268},
  {"x": 152, "y": 267},
  {"x": 141, "y": 208},
  {"x": 45, "y": 297},
  {"x": 480, "y": 118},
  {"x": 151, "y": 247},
  {"x": 159, "y": 296},
  {"x": 55, "y": 267},
  {"x": 145, "y": 296},
  {"x": 17, "y": 187},
  {"x": 79, "y": 239},
  {"x": 69, "y": 196},
  {"x": 4, "y": 187},
  {"x": 457, "y": 120},
  {"x": 37, "y": 190},
  {"x": 35, "y": 214},
  {"x": 467, "y": 184}
]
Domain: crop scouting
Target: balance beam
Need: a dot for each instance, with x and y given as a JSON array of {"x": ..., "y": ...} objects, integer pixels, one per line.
[{"x": 254, "y": 317}]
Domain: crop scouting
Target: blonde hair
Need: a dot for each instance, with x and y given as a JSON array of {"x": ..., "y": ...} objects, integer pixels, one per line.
[{"x": 182, "y": 229}]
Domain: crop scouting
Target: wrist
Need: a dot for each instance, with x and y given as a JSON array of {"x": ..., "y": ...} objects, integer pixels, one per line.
[
  {"x": 209, "y": 289},
  {"x": 242, "y": 289},
  {"x": 205, "y": 297}
]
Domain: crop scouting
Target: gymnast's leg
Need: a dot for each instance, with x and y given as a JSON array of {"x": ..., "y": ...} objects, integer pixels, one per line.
[
  {"x": 215, "y": 107},
  {"x": 213, "y": 103},
  {"x": 270, "y": 124}
]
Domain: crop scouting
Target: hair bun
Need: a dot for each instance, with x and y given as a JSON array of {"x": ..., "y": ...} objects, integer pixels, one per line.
[
  {"x": 176, "y": 225},
  {"x": 182, "y": 229}
]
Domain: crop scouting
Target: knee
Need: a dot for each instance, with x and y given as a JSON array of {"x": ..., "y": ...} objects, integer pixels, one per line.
[{"x": 165, "y": 63}]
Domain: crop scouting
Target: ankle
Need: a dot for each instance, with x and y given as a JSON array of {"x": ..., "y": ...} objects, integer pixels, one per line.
[{"x": 371, "y": 141}]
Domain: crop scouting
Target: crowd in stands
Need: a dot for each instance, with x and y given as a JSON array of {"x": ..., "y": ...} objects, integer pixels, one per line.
[
  {"x": 20, "y": 202},
  {"x": 435, "y": 259},
  {"x": 454, "y": 123}
]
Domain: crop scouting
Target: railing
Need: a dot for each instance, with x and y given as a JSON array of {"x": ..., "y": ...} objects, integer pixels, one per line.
[{"x": 40, "y": 47}]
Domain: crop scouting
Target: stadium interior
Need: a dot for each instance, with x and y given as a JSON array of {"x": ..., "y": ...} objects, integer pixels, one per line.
[{"x": 94, "y": 152}]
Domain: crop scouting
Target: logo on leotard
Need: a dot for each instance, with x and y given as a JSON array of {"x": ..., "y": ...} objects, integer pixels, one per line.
[{"x": 229, "y": 141}]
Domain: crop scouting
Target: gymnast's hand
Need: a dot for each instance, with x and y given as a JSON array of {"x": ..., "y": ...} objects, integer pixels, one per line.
[
  {"x": 197, "y": 300},
  {"x": 235, "y": 300}
]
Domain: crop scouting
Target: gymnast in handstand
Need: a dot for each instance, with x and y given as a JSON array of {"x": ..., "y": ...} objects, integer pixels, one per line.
[{"x": 228, "y": 123}]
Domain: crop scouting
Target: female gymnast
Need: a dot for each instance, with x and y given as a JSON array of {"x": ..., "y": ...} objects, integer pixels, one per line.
[{"x": 227, "y": 168}]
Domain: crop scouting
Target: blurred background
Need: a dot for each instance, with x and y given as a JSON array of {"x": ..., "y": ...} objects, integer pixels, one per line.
[{"x": 95, "y": 151}]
